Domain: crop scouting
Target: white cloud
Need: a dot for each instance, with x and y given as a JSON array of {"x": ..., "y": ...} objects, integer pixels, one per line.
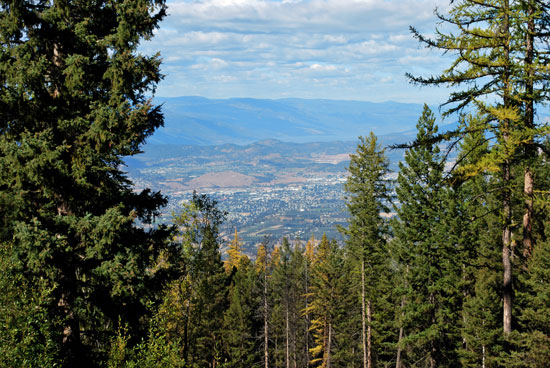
[
  {"x": 328, "y": 15},
  {"x": 324, "y": 68},
  {"x": 419, "y": 59},
  {"x": 398, "y": 38},
  {"x": 224, "y": 78},
  {"x": 210, "y": 64},
  {"x": 278, "y": 48},
  {"x": 335, "y": 38}
]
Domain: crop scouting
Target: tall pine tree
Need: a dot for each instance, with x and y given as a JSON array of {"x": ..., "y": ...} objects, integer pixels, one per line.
[
  {"x": 367, "y": 199},
  {"x": 72, "y": 105},
  {"x": 427, "y": 250}
]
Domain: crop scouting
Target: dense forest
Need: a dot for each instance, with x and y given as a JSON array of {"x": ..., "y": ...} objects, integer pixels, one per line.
[{"x": 446, "y": 266}]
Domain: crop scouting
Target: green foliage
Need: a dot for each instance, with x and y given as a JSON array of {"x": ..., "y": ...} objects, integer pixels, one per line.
[
  {"x": 427, "y": 249},
  {"x": 26, "y": 337},
  {"x": 241, "y": 325},
  {"x": 325, "y": 292},
  {"x": 367, "y": 254},
  {"x": 481, "y": 256},
  {"x": 531, "y": 342},
  {"x": 488, "y": 40},
  {"x": 288, "y": 290},
  {"x": 72, "y": 105},
  {"x": 500, "y": 68},
  {"x": 192, "y": 312},
  {"x": 157, "y": 351},
  {"x": 87, "y": 279},
  {"x": 367, "y": 191}
]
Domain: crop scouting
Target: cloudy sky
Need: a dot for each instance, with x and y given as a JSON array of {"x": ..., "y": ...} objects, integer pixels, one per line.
[{"x": 335, "y": 49}]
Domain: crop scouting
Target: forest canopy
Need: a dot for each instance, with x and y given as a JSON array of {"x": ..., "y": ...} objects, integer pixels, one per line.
[{"x": 445, "y": 266}]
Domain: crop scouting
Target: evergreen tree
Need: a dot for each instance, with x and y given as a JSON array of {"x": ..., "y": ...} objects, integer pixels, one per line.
[
  {"x": 282, "y": 301},
  {"x": 241, "y": 324},
  {"x": 156, "y": 351},
  {"x": 262, "y": 266},
  {"x": 428, "y": 250},
  {"x": 203, "y": 345},
  {"x": 309, "y": 256},
  {"x": 531, "y": 342},
  {"x": 501, "y": 57},
  {"x": 367, "y": 199},
  {"x": 300, "y": 323},
  {"x": 192, "y": 312},
  {"x": 325, "y": 295},
  {"x": 72, "y": 105},
  {"x": 25, "y": 340},
  {"x": 479, "y": 234},
  {"x": 289, "y": 301}
]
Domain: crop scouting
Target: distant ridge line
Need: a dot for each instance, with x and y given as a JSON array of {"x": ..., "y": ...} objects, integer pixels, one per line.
[{"x": 196, "y": 120}]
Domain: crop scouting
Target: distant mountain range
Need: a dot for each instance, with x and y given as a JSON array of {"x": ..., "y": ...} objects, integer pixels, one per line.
[
  {"x": 202, "y": 121},
  {"x": 205, "y": 122}
]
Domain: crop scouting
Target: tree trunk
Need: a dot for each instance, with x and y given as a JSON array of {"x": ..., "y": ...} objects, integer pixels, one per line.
[
  {"x": 369, "y": 334},
  {"x": 434, "y": 350},
  {"x": 506, "y": 203},
  {"x": 287, "y": 337},
  {"x": 56, "y": 59},
  {"x": 507, "y": 263},
  {"x": 266, "y": 330},
  {"x": 398, "y": 363},
  {"x": 329, "y": 345},
  {"x": 398, "y": 360},
  {"x": 295, "y": 323},
  {"x": 529, "y": 122},
  {"x": 363, "y": 317},
  {"x": 307, "y": 313},
  {"x": 528, "y": 216},
  {"x": 71, "y": 332},
  {"x": 186, "y": 332}
]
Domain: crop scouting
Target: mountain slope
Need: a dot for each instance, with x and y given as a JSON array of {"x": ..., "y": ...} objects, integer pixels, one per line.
[{"x": 202, "y": 121}]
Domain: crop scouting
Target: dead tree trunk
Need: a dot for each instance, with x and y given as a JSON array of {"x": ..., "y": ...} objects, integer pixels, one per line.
[{"x": 530, "y": 152}]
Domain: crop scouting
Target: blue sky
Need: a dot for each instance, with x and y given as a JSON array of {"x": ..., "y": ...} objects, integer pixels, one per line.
[{"x": 334, "y": 49}]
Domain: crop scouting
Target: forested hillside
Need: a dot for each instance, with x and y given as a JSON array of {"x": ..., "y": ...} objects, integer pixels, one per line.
[{"x": 445, "y": 266}]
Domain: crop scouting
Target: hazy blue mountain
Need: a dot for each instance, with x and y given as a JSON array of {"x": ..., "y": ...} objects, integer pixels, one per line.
[{"x": 202, "y": 121}]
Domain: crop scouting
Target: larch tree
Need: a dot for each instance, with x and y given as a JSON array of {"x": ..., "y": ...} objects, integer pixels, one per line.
[
  {"x": 533, "y": 90},
  {"x": 72, "y": 105},
  {"x": 500, "y": 69},
  {"x": 234, "y": 253},
  {"x": 324, "y": 305}
]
